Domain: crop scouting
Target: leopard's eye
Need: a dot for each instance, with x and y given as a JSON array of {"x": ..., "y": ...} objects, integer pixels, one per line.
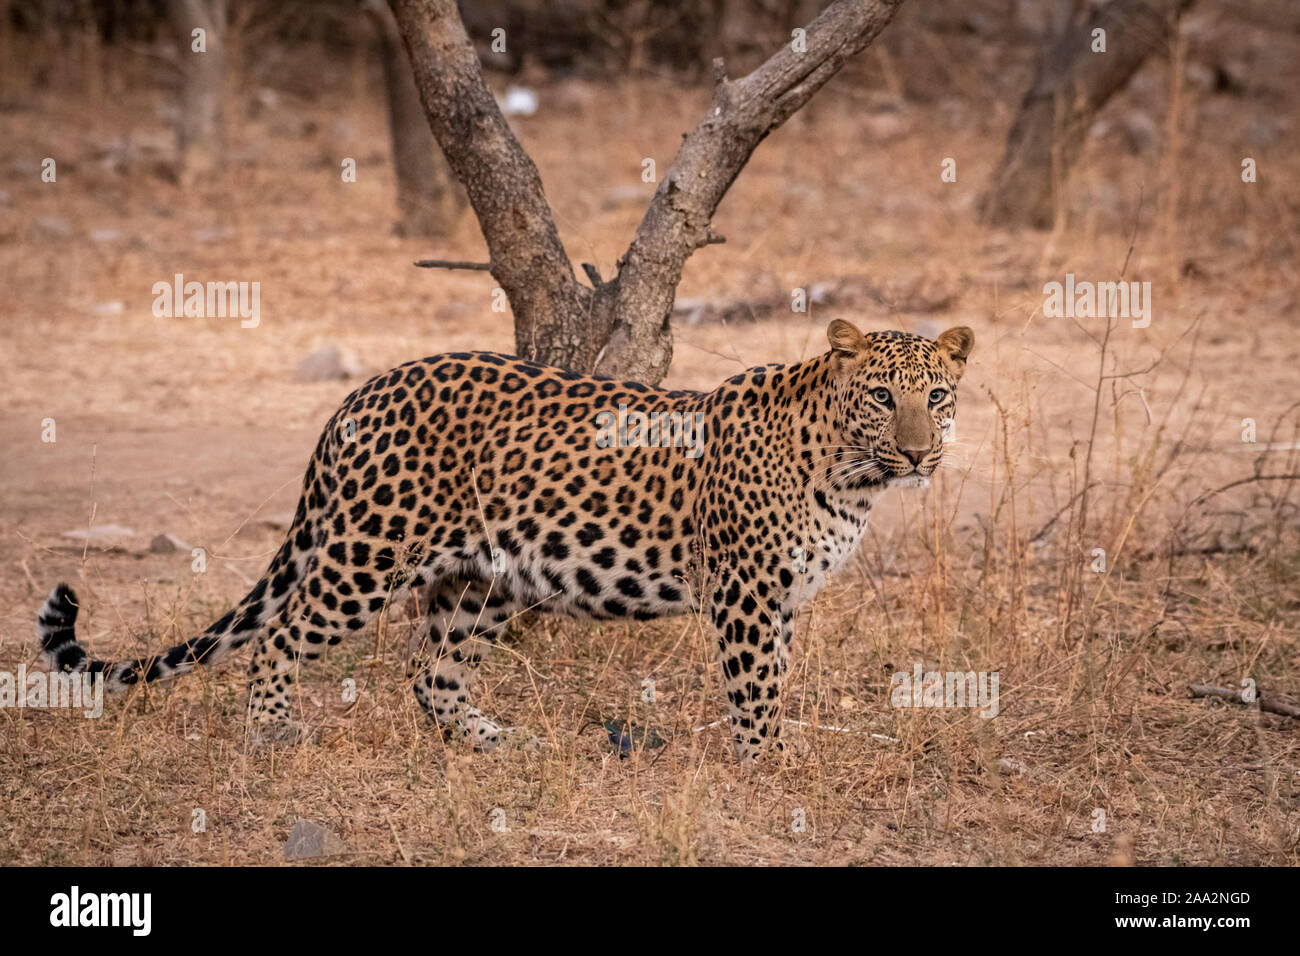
[
  {"x": 938, "y": 395},
  {"x": 882, "y": 396}
]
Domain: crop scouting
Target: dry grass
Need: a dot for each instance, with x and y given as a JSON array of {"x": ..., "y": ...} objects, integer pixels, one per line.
[{"x": 1072, "y": 437}]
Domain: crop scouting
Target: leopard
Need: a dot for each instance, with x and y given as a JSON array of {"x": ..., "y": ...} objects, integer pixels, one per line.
[{"x": 482, "y": 485}]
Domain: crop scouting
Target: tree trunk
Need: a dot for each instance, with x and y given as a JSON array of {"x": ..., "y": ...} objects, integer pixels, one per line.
[
  {"x": 1070, "y": 85},
  {"x": 618, "y": 327},
  {"x": 429, "y": 199},
  {"x": 200, "y": 138}
]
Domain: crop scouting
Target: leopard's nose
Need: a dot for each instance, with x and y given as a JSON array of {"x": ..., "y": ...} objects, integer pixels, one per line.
[{"x": 915, "y": 457}]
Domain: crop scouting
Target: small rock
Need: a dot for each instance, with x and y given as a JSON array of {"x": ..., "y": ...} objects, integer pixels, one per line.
[
  {"x": 519, "y": 101},
  {"x": 930, "y": 328},
  {"x": 115, "y": 307},
  {"x": 691, "y": 310},
  {"x": 1102, "y": 197},
  {"x": 167, "y": 543},
  {"x": 1140, "y": 131},
  {"x": 278, "y": 521},
  {"x": 1232, "y": 77},
  {"x": 1010, "y": 768},
  {"x": 1265, "y": 131},
  {"x": 956, "y": 113},
  {"x": 105, "y": 235},
  {"x": 882, "y": 127},
  {"x": 100, "y": 533},
  {"x": 215, "y": 234},
  {"x": 326, "y": 364},
  {"x": 308, "y": 840},
  {"x": 1239, "y": 238},
  {"x": 342, "y": 129},
  {"x": 802, "y": 192},
  {"x": 626, "y": 194},
  {"x": 264, "y": 99},
  {"x": 1201, "y": 77},
  {"x": 51, "y": 227},
  {"x": 625, "y": 737}
]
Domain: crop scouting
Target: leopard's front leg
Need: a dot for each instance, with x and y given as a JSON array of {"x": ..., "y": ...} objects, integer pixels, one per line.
[{"x": 754, "y": 646}]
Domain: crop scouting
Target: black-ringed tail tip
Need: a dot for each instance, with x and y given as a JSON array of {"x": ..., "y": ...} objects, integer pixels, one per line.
[{"x": 56, "y": 630}]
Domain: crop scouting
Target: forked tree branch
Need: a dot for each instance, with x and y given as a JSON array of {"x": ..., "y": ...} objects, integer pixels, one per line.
[
  {"x": 621, "y": 327},
  {"x": 1071, "y": 83},
  {"x": 742, "y": 113}
]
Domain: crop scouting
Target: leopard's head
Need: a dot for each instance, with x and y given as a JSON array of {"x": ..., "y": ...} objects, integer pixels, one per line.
[{"x": 895, "y": 399}]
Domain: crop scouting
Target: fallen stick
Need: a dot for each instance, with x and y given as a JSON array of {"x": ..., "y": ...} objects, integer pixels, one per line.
[
  {"x": 1271, "y": 705},
  {"x": 453, "y": 264}
]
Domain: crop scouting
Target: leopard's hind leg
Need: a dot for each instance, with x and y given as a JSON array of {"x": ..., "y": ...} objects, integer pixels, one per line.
[
  {"x": 335, "y": 596},
  {"x": 463, "y": 619}
]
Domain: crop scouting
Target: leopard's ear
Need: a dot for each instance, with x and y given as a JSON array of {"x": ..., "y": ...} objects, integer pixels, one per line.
[
  {"x": 954, "y": 346},
  {"x": 846, "y": 341}
]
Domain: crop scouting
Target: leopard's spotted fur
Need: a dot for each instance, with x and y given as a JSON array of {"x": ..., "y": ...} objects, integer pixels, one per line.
[{"x": 478, "y": 478}]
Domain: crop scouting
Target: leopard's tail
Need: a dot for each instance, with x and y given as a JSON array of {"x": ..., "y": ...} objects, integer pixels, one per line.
[{"x": 55, "y": 629}]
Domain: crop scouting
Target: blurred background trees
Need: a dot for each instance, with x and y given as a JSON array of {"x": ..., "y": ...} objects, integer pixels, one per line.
[
  {"x": 1087, "y": 58},
  {"x": 429, "y": 198},
  {"x": 199, "y": 27},
  {"x": 1035, "y": 53},
  {"x": 1024, "y": 72}
]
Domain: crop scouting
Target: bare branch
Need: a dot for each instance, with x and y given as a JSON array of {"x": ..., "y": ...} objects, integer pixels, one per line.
[
  {"x": 1269, "y": 704},
  {"x": 1243, "y": 481},
  {"x": 743, "y": 112},
  {"x": 453, "y": 264}
]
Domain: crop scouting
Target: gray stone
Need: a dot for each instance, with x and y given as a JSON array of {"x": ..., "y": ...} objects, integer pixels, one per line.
[
  {"x": 308, "y": 840},
  {"x": 167, "y": 543},
  {"x": 215, "y": 234},
  {"x": 1239, "y": 238},
  {"x": 627, "y": 194},
  {"x": 51, "y": 227},
  {"x": 883, "y": 127},
  {"x": 328, "y": 363},
  {"x": 519, "y": 101},
  {"x": 101, "y": 534},
  {"x": 1140, "y": 130}
]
